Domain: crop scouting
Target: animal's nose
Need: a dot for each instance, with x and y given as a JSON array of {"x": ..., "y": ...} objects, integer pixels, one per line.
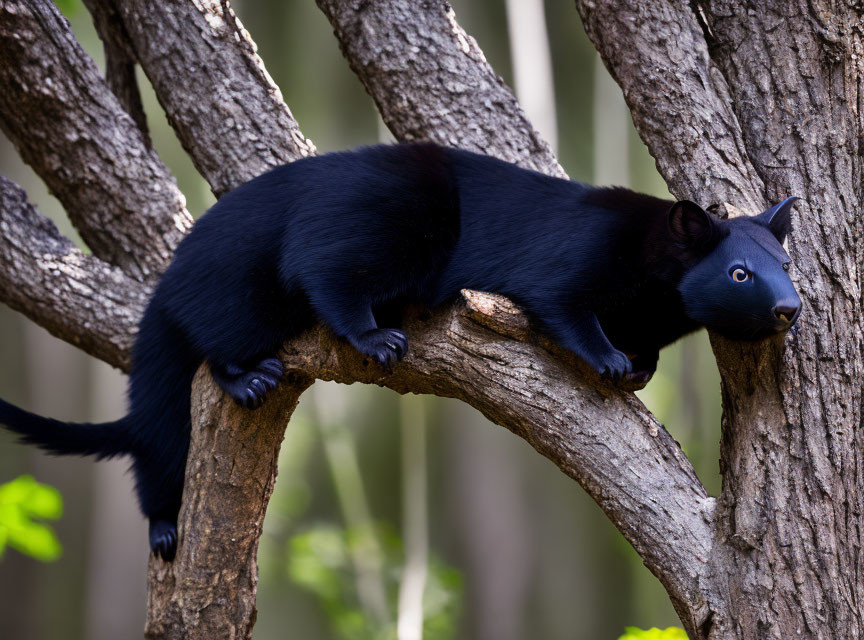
[{"x": 787, "y": 311}]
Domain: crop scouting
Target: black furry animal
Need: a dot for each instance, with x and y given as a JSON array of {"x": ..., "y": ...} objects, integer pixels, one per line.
[{"x": 609, "y": 274}]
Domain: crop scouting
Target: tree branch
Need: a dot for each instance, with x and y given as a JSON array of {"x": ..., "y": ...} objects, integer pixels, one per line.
[
  {"x": 236, "y": 126},
  {"x": 77, "y": 297},
  {"x": 431, "y": 81},
  {"x": 209, "y": 590},
  {"x": 70, "y": 128},
  {"x": 481, "y": 352},
  {"x": 599, "y": 436},
  {"x": 679, "y": 102},
  {"x": 119, "y": 61}
]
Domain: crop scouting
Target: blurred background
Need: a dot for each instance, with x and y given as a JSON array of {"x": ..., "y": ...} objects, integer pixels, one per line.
[{"x": 381, "y": 500}]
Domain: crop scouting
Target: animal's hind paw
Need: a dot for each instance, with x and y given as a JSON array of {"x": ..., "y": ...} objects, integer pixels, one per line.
[
  {"x": 384, "y": 346},
  {"x": 163, "y": 539},
  {"x": 248, "y": 388}
]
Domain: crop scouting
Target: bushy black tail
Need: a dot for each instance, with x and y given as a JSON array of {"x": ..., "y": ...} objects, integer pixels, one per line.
[{"x": 103, "y": 440}]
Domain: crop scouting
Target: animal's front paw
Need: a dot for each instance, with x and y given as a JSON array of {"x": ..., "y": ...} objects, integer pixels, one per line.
[
  {"x": 163, "y": 539},
  {"x": 384, "y": 346},
  {"x": 248, "y": 388},
  {"x": 614, "y": 364},
  {"x": 256, "y": 384}
]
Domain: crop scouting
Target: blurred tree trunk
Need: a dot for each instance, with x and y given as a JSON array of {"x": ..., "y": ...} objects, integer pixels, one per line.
[
  {"x": 740, "y": 105},
  {"x": 57, "y": 384},
  {"x": 115, "y": 572}
]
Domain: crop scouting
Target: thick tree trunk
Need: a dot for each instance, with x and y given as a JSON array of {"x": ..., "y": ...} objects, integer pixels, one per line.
[
  {"x": 739, "y": 104},
  {"x": 793, "y": 446},
  {"x": 767, "y": 105}
]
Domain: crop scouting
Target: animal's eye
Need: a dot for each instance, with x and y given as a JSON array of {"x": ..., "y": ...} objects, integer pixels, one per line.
[
  {"x": 786, "y": 266},
  {"x": 739, "y": 274}
]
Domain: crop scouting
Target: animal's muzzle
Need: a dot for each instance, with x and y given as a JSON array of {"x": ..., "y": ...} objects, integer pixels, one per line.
[{"x": 787, "y": 312}]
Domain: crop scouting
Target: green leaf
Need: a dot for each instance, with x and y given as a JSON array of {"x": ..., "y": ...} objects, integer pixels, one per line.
[
  {"x": 21, "y": 500},
  {"x": 43, "y": 502},
  {"x": 37, "y": 541},
  {"x": 670, "y": 633}
]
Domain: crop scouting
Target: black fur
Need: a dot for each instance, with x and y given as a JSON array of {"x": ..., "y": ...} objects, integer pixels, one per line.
[{"x": 338, "y": 237}]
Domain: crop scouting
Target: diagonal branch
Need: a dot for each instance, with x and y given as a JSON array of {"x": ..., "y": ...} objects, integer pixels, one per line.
[
  {"x": 77, "y": 297},
  {"x": 120, "y": 61},
  {"x": 482, "y": 352},
  {"x": 114, "y": 187},
  {"x": 227, "y": 111},
  {"x": 431, "y": 81},
  {"x": 681, "y": 106},
  {"x": 71, "y": 129}
]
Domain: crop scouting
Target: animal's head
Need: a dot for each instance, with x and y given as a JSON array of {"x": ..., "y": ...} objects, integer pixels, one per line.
[{"x": 737, "y": 281}]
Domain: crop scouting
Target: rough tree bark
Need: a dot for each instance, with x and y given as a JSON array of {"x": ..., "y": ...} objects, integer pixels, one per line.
[
  {"x": 430, "y": 80},
  {"x": 768, "y": 105},
  {"x": 236, "y": 125},
  {"x": 70, "y": 127},
  {"x": 77, "y": 297},
  {"x": 739, "y": 105}
]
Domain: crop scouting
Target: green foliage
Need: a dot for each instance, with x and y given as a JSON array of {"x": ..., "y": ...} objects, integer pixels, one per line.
[
  {"x": 319, "y": 561},
  {"x": 21, "y": 500},
  {"x": 635, "y": 633}
]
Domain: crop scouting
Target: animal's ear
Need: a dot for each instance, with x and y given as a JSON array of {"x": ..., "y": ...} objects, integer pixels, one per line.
[
  {"x": 690, "y": 224},
  {"x": 778, "y": 218}
]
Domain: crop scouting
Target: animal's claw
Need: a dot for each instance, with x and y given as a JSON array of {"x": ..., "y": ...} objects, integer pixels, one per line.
[
  {"x": 614, "y": 365},
  {"x": 163, "y": 539},
  {"x": 249, "y": 388},
  {"x": 384, "y": 346},
  {"x": 272, "y": 366},
  {"x": 258, "y": 385}
]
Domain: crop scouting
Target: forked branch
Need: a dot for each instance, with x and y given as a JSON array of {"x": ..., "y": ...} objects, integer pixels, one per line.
[
  {"x": 227, "y": 111},
  {"x": 483, "y": 352},
  {"x": 70, "y": 127}
]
